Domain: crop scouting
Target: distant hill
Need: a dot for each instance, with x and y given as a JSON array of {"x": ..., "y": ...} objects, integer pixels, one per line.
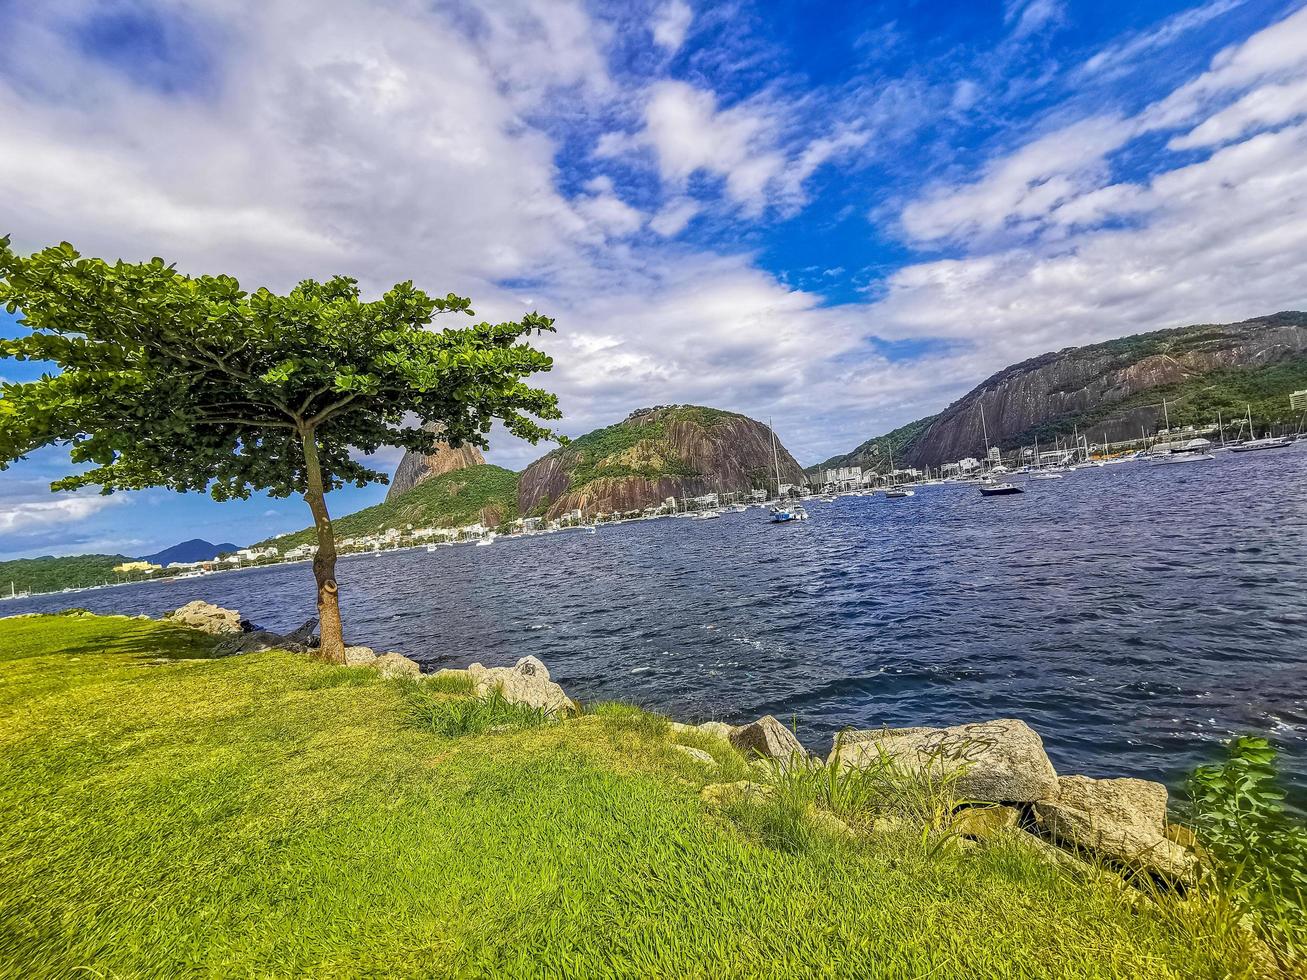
[
  {"x": 483, "y": 494},
  {"x": 1113, "y": 390},
  {"x": 196, "y": 549},
  {"x": 653, "y": 454},
  {"x": 50, "y": 574}
]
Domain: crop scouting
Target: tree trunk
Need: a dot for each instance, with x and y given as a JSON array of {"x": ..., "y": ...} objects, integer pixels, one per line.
[{"x": 332, "y": 647}]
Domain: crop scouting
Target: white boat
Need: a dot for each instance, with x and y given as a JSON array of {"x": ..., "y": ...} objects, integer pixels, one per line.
[
  {"x": 488, "y": 539},
  {"x": 706, "y": 515},
  {"x": 897, "y": 492},
  {"x": 1046, "y": 476}
]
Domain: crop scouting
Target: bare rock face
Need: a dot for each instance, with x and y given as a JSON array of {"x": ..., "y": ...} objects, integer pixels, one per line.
[
  {"x": 1120, "y": 819},
  {"x": 207, "y": 617},
  {"x": 1078, "y": 379},
  {"x": 416, "y": 467},
  {"x": 655, "y": 453},
  {"x": 999, "y": 761},
  {"x": 526, "y": 682}
]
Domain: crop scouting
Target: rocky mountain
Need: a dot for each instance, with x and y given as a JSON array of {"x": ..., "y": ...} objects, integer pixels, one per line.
[
  {"x": 416, "y": 467},
  {"x": 196, "y": 549},
  {"x": 653, "y": 454},
  {"x": 1113, "y": 390}
]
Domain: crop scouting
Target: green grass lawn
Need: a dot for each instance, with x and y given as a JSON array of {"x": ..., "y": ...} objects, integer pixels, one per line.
[{"x": 168, "y": 814}]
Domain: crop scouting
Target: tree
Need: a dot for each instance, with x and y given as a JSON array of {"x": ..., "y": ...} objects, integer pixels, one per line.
[{"x": 190, "y": 383}]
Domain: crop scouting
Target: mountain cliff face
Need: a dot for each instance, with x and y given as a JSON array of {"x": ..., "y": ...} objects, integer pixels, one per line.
[
  {"x": 415, "y": 467},
  {"x": 1113, "y": 390},
  {"x": 655, "y": 453}
]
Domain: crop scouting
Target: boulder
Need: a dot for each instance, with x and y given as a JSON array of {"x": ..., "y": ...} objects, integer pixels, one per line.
[
  {"x": 983, "y": 822},
  {"x": 306, "y": 635},
  {"x": 999, "y": 761},
  {"x": 717, "y": 729},
  {"x": 207, "y": 617},
  {"x": 828, "y": 823},
  {"x": 255, "y": 642},
  {"x": 392, "y": 665},
  {"x": 698, "y": 755},
  {"x": 526, "y": 682},
  {"x": 769, "y": 739},
  {"x": 359, "y": 656},
  {"x": 1123, "y": 820},
  {"x": 726, "y": 794}
]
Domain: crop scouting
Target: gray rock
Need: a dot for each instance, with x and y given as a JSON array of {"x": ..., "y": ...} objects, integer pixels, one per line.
[
  {"x": 983, "y": 822},
  {"x": 359, "y": 656},
  {"x": 767, "y": 738},
  {"x": 1123, "y": 820},
  {"x": 698, "y": 755},
  {"x": 306, "y": 635},
  {"x": 391, "y": 665},
  {"x": 526, "y": 682},
  {"x": 255, "y": 642},
  {"x": 717, "y": 729},
  {"x": 999, "y": 761},
  {"x": 207, "y": 617}
]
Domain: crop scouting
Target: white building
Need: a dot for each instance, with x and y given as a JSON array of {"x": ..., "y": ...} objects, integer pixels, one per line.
[
  {"x": 300, "y": 552},
  {"x": 968, "y": 465},
  {"x": 254, "y": 554},
  {"x": 843, "y": 475}
]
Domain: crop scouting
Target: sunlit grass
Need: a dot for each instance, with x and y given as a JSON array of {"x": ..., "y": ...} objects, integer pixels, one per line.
[{"x": 266, "y": 815}]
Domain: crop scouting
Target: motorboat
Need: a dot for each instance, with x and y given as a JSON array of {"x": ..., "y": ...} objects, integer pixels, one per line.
[
  {"x": 899, "y": 492},
  {"x": 782, "y": 514},
  {"x": 999, "y": 489},
  {"x": 1046, "y": 476}
]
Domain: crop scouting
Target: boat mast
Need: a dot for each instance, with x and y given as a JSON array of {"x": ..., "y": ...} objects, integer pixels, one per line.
[
  {"x": 1220, "y": 427},
  {"x": 1252, "y": 433},
  {"x": 776, "y": 459},
  {"x": 985, "y": 429},
  {"x": 1166, "y": 416}
]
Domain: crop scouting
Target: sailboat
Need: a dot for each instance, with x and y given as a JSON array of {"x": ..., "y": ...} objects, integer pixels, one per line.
[
  {"x": 988, "y": 486},
  {"x": 782, "y": 513},
  {"x": 1255, "y": 444}
]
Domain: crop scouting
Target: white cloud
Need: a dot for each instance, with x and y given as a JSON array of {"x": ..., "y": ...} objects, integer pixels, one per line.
[
  {"x": 1022, "y": 187},
  {"x": 1124, "y": 54},
  {"x": 690, "y": 134},
  {"x": 672, "y": 219},
  {"x": 1030, "y": 16},
  {"x": 1262, "y": 107},
  {"x": 23, "y": 516},
  {"x": 670, "y": 24}
]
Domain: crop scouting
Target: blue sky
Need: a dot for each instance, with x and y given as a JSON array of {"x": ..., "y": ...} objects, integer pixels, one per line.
[{"x": 839, "y": 215}]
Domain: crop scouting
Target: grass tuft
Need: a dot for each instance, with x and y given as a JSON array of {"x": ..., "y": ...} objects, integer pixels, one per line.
[{"x": 457, "y": 716}]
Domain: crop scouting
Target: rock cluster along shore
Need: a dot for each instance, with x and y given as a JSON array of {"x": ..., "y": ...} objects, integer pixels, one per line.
[{"x": 998, "y": 771}]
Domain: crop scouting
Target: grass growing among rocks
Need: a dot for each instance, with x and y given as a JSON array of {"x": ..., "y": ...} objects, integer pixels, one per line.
[{"x": 168, "y": 814}]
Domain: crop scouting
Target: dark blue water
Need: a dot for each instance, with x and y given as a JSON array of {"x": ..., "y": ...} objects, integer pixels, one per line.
[{"x": 1134, "y": 615}]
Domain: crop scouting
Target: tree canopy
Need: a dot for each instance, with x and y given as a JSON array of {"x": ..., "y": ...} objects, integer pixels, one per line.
[{"x": 191, "y": 383}]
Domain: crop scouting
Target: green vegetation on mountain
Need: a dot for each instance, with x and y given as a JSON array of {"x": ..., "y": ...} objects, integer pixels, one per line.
[
  {"x": 624, "y": 450},
  {"x": 168, "y": 814},
  {"x": 454, "y": 499},
  {"x": 50, "y": 574},
  {"x": 1198, "y": 401},
  {"x": 874, "y": 454}
]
